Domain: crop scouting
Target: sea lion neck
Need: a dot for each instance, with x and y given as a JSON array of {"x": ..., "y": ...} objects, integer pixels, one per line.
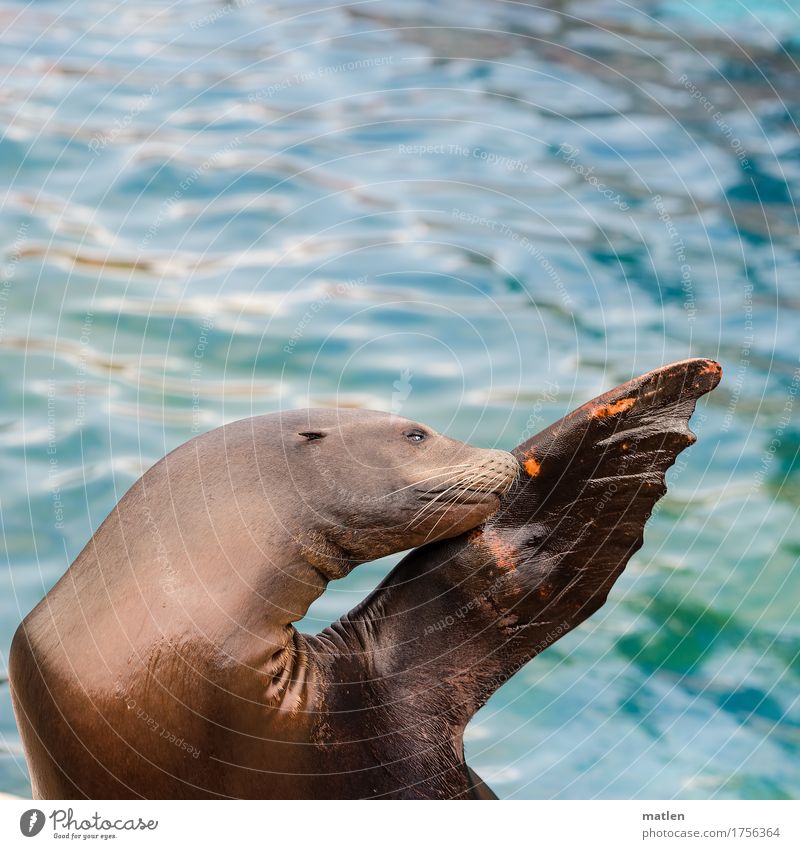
[{"x": 319, "y": 550}]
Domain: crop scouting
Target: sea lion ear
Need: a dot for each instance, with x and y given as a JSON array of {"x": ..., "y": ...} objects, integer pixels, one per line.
[{"x": 311, "y": 435}]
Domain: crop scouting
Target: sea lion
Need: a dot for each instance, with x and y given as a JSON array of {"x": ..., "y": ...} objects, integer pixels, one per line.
[
  {"x": 122, "y": 689},
  {"x": 168, "y": 648}
]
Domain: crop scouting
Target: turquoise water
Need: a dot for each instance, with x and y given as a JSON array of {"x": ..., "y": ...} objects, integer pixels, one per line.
[{"x": 478, "y": 216}]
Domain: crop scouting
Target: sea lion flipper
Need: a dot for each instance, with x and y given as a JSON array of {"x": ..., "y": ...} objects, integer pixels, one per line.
[{"x": 593, "y": 478}]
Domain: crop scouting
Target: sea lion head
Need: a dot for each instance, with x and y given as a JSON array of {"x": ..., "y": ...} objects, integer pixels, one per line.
[{"x": 378, "y": 483}]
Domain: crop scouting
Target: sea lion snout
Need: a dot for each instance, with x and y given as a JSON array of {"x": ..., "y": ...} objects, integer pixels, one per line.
[
  {"x": 466, "y": 493},
  {"x": 500, "y": 471},
  {"x": 486, "y": 472}
]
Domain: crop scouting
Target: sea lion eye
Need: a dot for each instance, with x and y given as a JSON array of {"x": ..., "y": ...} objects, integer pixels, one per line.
[
  {"x": 311, "y": 434},
  {"x": 415, "y": 435}
]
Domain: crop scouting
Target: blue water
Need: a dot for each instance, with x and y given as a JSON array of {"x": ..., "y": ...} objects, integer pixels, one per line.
[{"x": 213, "y": 211}]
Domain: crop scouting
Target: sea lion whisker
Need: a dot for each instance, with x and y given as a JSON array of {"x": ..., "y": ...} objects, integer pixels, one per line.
[
  {"x": 447, "y": 470},
  {"x": 437, "y": 500},
  {"x": 473, "y": 482},
  {"x": 447, "y": 504},
  {"x": 427, "y": 506}
]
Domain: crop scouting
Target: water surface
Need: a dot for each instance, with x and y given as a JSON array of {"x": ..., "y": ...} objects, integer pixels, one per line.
[{"x": 479, "y": 215}]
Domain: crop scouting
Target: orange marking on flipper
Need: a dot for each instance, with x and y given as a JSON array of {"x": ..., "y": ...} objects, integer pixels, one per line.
[
  {"x": 712, "y": 368},
  {"x": 505, "y": 554},
  {"x": 613, "y": 409},
  {"x": 532, "y": 466}
]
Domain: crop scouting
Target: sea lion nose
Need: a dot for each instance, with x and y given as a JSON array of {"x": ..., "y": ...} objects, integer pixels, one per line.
[
  {"x": 499, "y": 470},
  {"x": 509, "y": 467}
]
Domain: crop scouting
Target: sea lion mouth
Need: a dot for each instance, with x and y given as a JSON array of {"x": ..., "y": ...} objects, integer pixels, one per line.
[
  {"x": 479, "y": 485},
  {"x": 471, "y": 490}
]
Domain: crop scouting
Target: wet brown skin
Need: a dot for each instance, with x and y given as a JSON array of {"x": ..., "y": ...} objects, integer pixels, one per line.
[{"x": 375, "y": 705}]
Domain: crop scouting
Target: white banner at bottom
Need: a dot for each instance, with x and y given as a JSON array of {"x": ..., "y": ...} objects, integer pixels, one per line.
[{"x": 371, "y": 825}]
